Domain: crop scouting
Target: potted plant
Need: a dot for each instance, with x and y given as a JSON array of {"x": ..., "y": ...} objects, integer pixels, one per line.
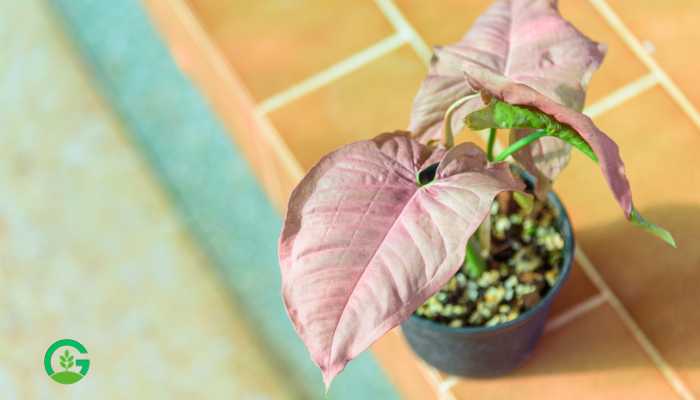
[{"x": 403, "y": 228}]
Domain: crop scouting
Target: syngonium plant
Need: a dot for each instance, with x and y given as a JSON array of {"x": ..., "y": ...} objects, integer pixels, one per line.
[{"x": 378, "y": 226}]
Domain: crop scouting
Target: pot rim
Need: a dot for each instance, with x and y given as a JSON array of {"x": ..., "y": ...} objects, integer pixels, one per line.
[{"x": 568, "y": 253}]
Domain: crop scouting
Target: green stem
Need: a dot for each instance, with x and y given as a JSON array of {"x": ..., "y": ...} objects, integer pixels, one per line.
[
  {"x": 490, "y": 144},
  {"x": 517, "y": 146},
  {"x": 474, "y": 262}
]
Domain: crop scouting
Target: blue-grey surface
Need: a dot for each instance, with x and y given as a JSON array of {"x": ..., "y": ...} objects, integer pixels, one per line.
[{"x": 207, "y": 177}]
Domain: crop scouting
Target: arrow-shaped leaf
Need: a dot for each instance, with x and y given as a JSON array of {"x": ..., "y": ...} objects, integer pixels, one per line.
[
  {"x": 525, "y": 42},
  {"x": 533, "y": 110},
  {"x": 364, "y": 244}
]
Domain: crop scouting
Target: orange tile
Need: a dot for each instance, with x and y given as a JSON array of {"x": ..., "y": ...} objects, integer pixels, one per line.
[
  {"x": 576, "y": 290},
  {"x": 659, "y": 146},
  {"x": 594, "y": 357},
  {"x": 374, "y": 99},
  {"x": 672, "y": 28},
  {"x": 443, "y": 24},
  {"x": 439, "y": 25},
  {"x": 594, "y": 352},
  {"x": 274, "y": 44},
  {"x": 620, "y": 66},
  {"x": 269, "y": 157},
  {"x": 655, "y": 282},
  {"x": 272, "y": 173},
  {"x": 402, "y": 367}
]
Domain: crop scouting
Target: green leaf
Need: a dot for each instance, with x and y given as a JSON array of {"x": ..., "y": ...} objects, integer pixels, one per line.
[
  {"x": 637, "y": 219},
  {"x": 474, "y": 262},
  {"x": 499, "y": 114}
]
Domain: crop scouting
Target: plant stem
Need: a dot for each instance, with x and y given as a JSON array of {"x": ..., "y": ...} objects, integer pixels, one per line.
[
  {"x": 474, "y": 262},
  {"x": 517, "y": 146},
  {"x": 484, "y": 235},
  {"x": 448, "y": 139},
  {"x": 490, "y": 144}
]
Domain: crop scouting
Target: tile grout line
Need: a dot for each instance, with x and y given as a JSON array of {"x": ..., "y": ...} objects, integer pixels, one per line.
[
  {"x": 332, "y": 73},
  {"x": 405, "y": 32},
  {"x": 403, "y": 27},
  {"x": 602, "y": 106},
  {"x": 432, "y": 374},
  {"x": 443, "y": 388},
  {"x": 606, "y": 11},
  {"x": 652, "y": 352},
  {"x": 575, "y": 311},
  {"x": 395, "y": 17},
  {"x": 447, "y": 384},
  {"x": 621, "y": 95},
  {"x": 596, "y": 109},
  {"x": 607, "y": 103},
  {"x": 197, "y": 32},
  {"x": 637, "y": 48}
]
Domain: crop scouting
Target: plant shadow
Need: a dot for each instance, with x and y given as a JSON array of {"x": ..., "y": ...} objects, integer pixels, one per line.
[{"x": 657, "y": 285}]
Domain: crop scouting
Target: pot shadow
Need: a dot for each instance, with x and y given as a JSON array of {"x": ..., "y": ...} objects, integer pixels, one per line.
[{"x": 657, "y": 284}]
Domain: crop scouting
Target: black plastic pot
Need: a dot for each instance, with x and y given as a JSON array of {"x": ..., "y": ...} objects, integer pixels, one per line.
[{"x": 495, "y": 350}]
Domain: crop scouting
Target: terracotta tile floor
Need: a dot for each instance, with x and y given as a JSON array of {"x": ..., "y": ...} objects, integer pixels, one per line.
[
  {"x": 625, "y": 325},
  {"x": 670, "y": 30},
  {"x": 263, "y": 38},
  {"x": 338, "y": 119}
]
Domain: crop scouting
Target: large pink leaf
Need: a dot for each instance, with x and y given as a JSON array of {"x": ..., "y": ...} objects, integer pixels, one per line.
[
  {"x": 363, "y": 245},
  {"x": 526, "y": 41},
  {"x": 605, "y": 148}
]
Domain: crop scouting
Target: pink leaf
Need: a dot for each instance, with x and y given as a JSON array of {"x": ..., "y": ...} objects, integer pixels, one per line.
[
  {"x": 363, "y": 245},
  {"x": 526, "y": 42},
  {"x": 607, "y": 151}
]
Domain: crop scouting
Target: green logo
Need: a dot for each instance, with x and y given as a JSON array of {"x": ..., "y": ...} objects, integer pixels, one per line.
[{"x": 67, "y": 362}]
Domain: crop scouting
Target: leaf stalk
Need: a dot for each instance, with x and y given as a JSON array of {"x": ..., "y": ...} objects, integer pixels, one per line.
[
  {"x": 448, "y": 140},
  {"x": 490, "y": 144},
  {"x": 520, "y": 144}
]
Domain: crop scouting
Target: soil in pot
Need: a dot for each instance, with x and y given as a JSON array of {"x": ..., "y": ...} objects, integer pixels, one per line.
[{"x": 523, "y": 264}]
